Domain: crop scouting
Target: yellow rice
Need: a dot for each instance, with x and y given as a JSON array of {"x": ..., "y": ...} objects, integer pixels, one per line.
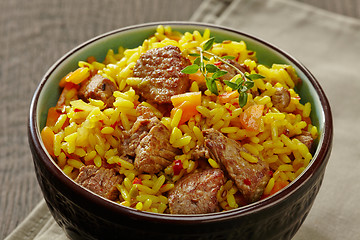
[{"x": 92, "y": 132}]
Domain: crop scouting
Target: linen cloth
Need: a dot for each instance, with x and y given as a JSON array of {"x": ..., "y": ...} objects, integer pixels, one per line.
[{"x": 328, "y": 45}]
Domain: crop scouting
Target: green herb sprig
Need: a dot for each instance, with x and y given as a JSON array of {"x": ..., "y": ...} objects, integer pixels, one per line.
[{"x": 242, "y": 84}]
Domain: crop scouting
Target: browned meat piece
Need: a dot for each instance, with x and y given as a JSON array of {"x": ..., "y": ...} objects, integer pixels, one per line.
[
  {"x": 100, "y": 181},
  {"x": 154, "y": 152},
  {"x": 160, "y": 71},
  {"x": 141, "y": 127},
  {"x": 196, "y": 193},
  {"x": 133, "y": 137},
  {"x": 200, "y": 152},
  {"x": 148, "y": 142},
  {"x": 306, "y": 138},
  {"x": 250, "y": 178},
  {"x": 231, "y": 72},
  {"x": 144, "y": 111},
  {"x": 281, "y": 98},
  {"x": 99, "y": 88}
]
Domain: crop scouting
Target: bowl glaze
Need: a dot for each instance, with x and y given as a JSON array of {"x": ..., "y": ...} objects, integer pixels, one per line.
[{"x": 84, "y": 215}]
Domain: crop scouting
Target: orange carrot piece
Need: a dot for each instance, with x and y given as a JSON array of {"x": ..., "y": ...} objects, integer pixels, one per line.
[
  {"x": 278, "y": 186},
  {"x": 91, "y": 59},
  {"x": 192, "y": 97},
  {"x": 48, "y": 136},
  {"x": 250, "y": 118},
  {"x": 68, "y": 87},
  {"x": 188, "y": 111},
  {"x": 187, "y": 102},
  {"x": 198, "y": 77},
  {"x": 52, "y": 117},
  {"x": 62, "y": 82}
]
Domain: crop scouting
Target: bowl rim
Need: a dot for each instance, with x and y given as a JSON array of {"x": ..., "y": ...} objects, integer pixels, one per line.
[{"x": 321, "y": 158}]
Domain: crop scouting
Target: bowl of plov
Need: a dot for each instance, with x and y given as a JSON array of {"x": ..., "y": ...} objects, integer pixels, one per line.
[{"x": 178, "y": 130}]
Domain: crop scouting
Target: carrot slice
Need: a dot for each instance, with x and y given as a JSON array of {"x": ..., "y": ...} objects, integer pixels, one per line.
[
  {"x": 250, "y": 118},
  {"x": 187, "y": 102},
  {"x": 48, "y": 136},
  {"x": 52, "y": 116},
  {"x": 91, "y": 59},
  {"x": 69, "y": 86},
  {"x": 188, "y": 111},
  {"x": 278, "y": 186},
  {"x": 198, "y": 77},
  {"x": 193, "y": 97}
]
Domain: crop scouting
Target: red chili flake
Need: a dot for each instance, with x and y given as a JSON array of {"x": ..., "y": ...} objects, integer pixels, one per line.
[
  {"x": 218, "y": 63},
  {"x": 250, "y": 53},
  {"x": 247, "y": 181},
  {"x": 137, "y": 181},
  {"x": 229, "y": 110},
  {"x": 177, "y": 167},
  {"x": 78, "y": 110},
  {"x": 270, "y": 173},
  {"x": 114, "y": 125}
]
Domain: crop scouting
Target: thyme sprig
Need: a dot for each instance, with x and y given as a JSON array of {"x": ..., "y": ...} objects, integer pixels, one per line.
[{"x": 242, "y": 84}]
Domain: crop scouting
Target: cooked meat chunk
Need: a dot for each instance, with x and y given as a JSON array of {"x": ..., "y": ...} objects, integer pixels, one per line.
[
  {"x": 250, "y": 178},
  {"x": 281, "y": 98},
  {"x": 100, "y": 181},
  {"x": 154, "y": 152},
  {"x": 98, "y": 88},
  {"x": 160, "y": 71},
  {"x": 141, "y": 127},
  {"x": 200, "y": 152},
  {"x": 144, "y": 111},
  {"x": 196, "y": 193},
  {"x": 148, "y": 142},
  {"x": 133, "y": 137},
  {"x": 231, "y": 72},
  {"x": 306, "y": 138}
]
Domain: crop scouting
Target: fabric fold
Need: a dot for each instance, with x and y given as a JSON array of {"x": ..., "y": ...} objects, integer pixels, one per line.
[{"x": 39, "y": 225}]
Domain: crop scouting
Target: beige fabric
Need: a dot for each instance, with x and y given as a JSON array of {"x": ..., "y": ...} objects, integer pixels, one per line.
[
  {"x": 39, "y": 225},
  {"x": 329, "y": 45}
]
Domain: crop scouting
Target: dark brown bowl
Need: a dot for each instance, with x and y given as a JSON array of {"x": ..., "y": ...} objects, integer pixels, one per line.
[{"x": 84, "y": 215}]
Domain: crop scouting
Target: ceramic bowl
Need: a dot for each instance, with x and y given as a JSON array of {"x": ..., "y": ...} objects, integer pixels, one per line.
[{"x": 84, "y": 215}]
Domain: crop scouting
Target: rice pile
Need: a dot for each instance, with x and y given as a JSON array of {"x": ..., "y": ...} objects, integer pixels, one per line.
[{"x": 87, "y": 133}]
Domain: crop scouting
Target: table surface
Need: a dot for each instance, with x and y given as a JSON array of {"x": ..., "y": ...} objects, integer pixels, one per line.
[{"x": 24, "y": 26}]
